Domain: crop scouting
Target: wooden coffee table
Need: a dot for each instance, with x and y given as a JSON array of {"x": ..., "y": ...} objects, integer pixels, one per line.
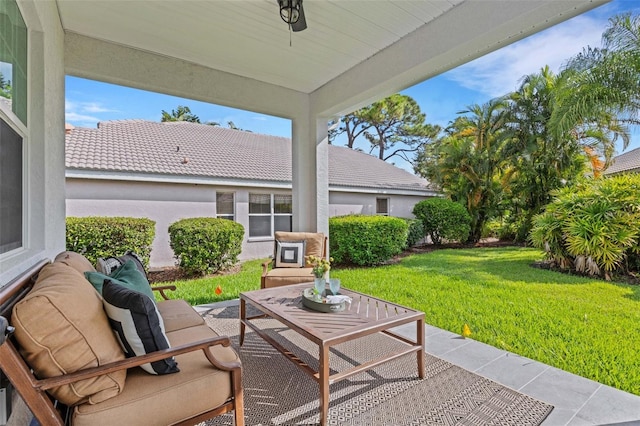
[{"x": 366, "y": 315}]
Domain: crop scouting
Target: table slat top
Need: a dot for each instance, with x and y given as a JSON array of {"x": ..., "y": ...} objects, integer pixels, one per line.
[{"x": 365, "y": 315}]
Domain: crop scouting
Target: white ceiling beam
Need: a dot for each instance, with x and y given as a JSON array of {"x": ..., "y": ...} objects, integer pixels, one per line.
[{"x": 90, "y": 58}]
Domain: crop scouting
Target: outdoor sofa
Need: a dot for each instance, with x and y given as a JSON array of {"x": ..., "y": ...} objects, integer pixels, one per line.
[{"x": 65, "y": 360}]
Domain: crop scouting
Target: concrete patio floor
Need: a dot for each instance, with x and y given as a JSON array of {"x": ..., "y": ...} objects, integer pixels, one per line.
[{"x": 577, "y": 401}]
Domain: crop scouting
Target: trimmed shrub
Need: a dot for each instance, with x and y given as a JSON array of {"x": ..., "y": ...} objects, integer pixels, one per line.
[
  {"x": 415, "y": 232},
  {"x": 443, "y": 220},
  {"x": 592, "y": 227},
  {"x": 205, "y": 245},
  {"x": 96, "y": 237},
  {"x": 366, "y": 240}
]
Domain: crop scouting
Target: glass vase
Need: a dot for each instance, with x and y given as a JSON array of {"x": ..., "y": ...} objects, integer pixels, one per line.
[{"x": 319, "y": 284}]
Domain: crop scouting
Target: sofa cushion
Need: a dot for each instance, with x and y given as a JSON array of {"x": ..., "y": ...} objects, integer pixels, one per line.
[
  {"x": 178, "y": 314},
  {"x": 126, "y": 275},
  {"x": 290, "y": 254},
  {"x": 76, "y": 261},
  {"x": 62, "y": 328},
  {"x": 138, "y": 325},
  {"x": 285, "y": 276},
  {"x": 314, "y": 241},
  {"x": 108, "y": 265},
  {"x": 162, "y": 400}
]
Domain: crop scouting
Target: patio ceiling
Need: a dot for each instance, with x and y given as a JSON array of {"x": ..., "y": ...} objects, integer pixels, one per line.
[{"x": 352, "y": 52}]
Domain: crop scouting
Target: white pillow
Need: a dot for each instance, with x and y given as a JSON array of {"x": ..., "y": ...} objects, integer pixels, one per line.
[{"x": 290, "y": 254}]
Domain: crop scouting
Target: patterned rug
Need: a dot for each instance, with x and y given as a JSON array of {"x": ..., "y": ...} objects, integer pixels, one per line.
[{"x": 277, "y": 392}]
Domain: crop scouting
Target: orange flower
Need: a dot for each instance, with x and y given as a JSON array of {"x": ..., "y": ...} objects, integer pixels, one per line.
[{"x": 218, "y": 290}]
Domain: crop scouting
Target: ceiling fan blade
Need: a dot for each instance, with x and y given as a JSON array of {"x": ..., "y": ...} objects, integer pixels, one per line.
[{"x": 301, "y": 23}]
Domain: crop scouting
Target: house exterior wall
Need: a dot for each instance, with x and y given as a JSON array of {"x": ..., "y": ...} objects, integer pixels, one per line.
[
  {"x": 342, "y": 203},
  {"x": 166, "y": 203}
]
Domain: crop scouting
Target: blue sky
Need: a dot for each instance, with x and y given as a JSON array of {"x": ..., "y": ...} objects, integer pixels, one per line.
[{"x": 441, "y": 97}]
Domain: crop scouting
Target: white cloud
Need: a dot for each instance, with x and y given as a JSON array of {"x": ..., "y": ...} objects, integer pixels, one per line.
[
  {"x": 501, "y": 71},
  {"x": 96, "y": 107},
  {"x": 80, "y": 119},
  {"x": 80, "y": 113}
]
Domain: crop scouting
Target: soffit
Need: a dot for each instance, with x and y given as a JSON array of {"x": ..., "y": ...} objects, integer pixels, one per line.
[{"x": 249, "y": 39}]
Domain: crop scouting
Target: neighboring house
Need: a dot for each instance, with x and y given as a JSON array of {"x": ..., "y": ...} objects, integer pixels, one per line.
[
  {"x": 174, "y": 170},
  {"x": 629, "y": 162}
]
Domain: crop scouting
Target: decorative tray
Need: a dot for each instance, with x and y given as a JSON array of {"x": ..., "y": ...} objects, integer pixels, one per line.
[{"x": 311, "y": 300}]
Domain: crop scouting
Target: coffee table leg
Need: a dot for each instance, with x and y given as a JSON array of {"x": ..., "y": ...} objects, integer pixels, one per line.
[
  {"x": 420, "y": 341},
  {"x": 243, "y": 318},
  {"x": 323, "y": 367}
]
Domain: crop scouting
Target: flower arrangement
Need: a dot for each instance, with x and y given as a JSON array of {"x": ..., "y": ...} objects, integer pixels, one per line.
[{"x": 320, "y": 265}]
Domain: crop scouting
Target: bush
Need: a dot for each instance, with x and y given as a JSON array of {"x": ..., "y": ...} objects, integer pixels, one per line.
[
  {"x": 96, "y": 237},
  {"x": 443, "y": 219},
  {"x": 415, "y": 232},
  {"x": 366, "y": 240},
  {"x": 592, "y": 227},
  {"x": 205, "y": 245}
]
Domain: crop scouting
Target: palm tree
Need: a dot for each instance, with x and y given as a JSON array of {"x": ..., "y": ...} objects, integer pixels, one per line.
[
  {"x": 603, "y": 82},
  {"x": 543, "y": 158},
  {"x": 182, "y": 113},
  {"x": 468, "y": 162}
]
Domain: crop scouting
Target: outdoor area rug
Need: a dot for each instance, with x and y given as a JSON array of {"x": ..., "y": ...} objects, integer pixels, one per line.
[{"x": 277, "y": 392}]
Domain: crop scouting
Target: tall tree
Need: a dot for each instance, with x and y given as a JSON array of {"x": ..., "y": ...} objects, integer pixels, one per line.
[
  {"x": 182, "y": 113},
  {"x": 352, "y": 125},
  {"x": 604, "y": 81},
  {"x": 542, "y": 158},
  {"x": 468, "y": 162},
  {"x": 397, "y": 119},
  {"x": 394, "y": 127}
]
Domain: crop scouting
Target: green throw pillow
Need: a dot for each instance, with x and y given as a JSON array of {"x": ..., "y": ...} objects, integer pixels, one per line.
[{"x": 127, "y": 276}]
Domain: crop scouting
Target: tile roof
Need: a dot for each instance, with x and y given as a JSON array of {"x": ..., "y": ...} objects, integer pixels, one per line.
[
  {"x": 199, "y": 150},
  {"x": 629, "y": 161}
]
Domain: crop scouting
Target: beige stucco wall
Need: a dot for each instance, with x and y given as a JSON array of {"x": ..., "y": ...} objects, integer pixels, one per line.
[
  {"x": 166, "y": 203},
  {"x": 341, "y": 203}
]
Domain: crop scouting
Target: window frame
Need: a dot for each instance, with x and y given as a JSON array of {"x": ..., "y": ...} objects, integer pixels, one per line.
[
  {"x": 229, "y": 216},
  {"x": 272, "y": 215},
  {"x": 15, "y": 114},
  {"x": 388, "y": 203}
]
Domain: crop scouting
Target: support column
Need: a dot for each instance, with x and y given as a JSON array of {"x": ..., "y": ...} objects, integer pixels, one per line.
[{"x": 310, "y": 174}]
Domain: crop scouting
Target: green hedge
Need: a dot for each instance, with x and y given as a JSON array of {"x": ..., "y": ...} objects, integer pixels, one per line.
[
  {"x": 205, "y": 245},
  {"x": 366, "y": 240},
  {"x": 443, "y": 220},
  {"x": 415, "y": 232},
  {"x": 96, "y": 237}
]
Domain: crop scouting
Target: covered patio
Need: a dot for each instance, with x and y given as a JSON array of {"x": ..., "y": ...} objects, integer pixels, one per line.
[{"x": 238, "y": 54}]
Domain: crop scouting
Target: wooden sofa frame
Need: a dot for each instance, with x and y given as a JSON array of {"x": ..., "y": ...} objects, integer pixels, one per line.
[{"x": 33, "y": 390}]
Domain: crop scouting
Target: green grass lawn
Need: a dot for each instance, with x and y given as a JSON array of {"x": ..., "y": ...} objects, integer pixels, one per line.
[{"x": 588, "y": 327}]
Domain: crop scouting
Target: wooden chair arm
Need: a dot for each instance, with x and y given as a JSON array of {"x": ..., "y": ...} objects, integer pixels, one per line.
[
  {"x": 266, "y": 264},
  {"x": 124, "y": 364},
  {"x": 162, "y": 288}
]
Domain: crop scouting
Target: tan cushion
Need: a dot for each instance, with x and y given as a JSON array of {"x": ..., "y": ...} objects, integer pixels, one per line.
[
  {"x": 286, "y": 276},
  {"x": 178, "y": 314},
  {"x": 168, "y": 399},
  {"x": 76, "y": 261},
  {"x": 61, "y": 328},
  {"x": 314, "y": 240}
]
